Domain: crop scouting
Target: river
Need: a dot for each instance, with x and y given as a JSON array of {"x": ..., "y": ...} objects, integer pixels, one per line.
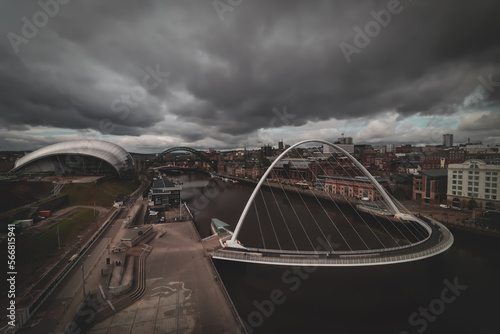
[{"x": 455, "y": 292}]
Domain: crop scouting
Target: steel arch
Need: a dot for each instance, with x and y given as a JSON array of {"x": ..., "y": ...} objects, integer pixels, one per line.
[{"x": 212, "y": 164}]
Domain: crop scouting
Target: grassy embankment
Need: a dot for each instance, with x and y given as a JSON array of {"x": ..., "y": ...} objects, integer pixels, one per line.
[
  {"x": 35, "y": 252},
  {"x": 102, "y": 193},
  {"x": 42, "y": 247},
  {"x": 15, "y": 194}
]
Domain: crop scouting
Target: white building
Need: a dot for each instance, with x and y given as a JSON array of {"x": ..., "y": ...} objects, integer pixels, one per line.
[{"x": 474, "y": 183}]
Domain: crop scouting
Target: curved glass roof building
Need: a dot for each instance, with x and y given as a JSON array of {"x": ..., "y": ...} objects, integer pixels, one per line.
[{"x": 79, "y": 157}]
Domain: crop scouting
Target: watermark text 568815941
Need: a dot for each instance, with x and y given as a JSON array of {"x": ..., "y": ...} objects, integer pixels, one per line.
[{"x": 11, "y": 274}]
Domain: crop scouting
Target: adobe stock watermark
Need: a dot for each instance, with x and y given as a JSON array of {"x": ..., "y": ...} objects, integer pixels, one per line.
[
  {"x": 280, "y": 118},
  {"x": 372, "y": 29},
  {"x": 136, "y": 95},
  {"x": 30, "y": 28},
  {"x": 201, "y": 199},
  {"x": 293, "y": 279},
  {"x": 225, "y": 6},
  {"x": 420, "y": 320}
]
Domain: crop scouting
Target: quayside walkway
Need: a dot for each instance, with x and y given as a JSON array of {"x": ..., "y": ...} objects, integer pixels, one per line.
[{"x": 183, "y": 291}]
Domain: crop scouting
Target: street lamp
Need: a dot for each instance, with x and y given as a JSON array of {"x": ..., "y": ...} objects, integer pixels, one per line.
[{"x": 83, "y": 280}]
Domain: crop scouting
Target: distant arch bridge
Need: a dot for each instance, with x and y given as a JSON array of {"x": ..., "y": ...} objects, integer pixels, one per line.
[{"x": 201, "y": 155}]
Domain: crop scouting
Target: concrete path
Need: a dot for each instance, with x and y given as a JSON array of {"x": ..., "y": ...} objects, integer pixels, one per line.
[{"x": 183, "y": 295}]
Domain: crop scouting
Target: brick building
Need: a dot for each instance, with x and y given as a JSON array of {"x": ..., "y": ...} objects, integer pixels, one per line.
[{"x": 430, "y": 185}]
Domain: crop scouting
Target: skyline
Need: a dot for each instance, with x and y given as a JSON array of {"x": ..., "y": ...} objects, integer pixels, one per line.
[{"x": 240, "y": 74}]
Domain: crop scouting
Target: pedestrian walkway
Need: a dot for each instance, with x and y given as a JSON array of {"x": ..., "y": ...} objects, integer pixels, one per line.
[{"x": 183, "y": 293}]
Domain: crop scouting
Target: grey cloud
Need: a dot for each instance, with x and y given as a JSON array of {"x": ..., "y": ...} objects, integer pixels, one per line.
[{"x": 264, "y": 55}]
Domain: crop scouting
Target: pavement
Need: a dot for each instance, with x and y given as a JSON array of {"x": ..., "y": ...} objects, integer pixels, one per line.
[{"x": 183, "y": 292}]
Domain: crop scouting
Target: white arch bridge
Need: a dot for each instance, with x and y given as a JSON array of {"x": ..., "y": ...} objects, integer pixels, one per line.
[{"x": 359, "y": 235}]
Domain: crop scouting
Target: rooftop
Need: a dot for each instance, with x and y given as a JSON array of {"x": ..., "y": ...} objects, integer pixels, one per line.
[{"x": 435, "y": 172}]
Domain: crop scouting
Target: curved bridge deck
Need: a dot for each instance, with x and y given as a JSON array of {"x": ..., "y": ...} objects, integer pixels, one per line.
[{"x": 440, "y": 240}]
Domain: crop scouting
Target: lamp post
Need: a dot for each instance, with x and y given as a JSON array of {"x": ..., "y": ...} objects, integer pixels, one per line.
[{"x": 83, "y": 280}]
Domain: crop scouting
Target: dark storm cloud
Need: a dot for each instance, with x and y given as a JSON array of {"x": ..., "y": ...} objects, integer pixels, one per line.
[{"x": 228, "y": 75}]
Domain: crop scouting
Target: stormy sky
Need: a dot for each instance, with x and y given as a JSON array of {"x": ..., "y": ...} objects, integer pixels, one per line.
[{"x": 149, "y": 75}]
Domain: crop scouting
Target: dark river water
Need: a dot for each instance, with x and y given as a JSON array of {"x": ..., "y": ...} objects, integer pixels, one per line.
[{"x": 455, "y": 292}]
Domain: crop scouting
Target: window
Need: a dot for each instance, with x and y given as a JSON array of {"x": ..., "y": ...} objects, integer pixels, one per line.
[
  {"x": 460, "y": 172},
  {"x": 460, "y": 177},
  {"x": 459, "y": 193},
  {"x": 487, "y": 184},
  {"x": 470, "y": 172},
  {"x": 469, "y": 194},
  {"x": 459, "y": 187},
  {"x": 476, "y": 184},
  {"x": 487, "y": 196},
  {"x": 493, "y": 197},
  {"x": 476, "y": 189},
  {"x": 486, "y": 190},
  {"x": 453, "y": 192},
  {"x": 488, "y": 173},
  {"x": 470, "y": 177},
  {"x": 494, "y": 179},
  {"x": 469, "y": 183},
  {"x": 454, "y": 187},
  {"x": 469, "y": 189},
  {"x": 494, "y": 185},
  {"x": 459, "y": 182},
  {"x": 454, "y": 176},
  {"x": 495, "y": 173},
  {"x": 454, "y": 172},
  {"x": 454, "y": 181},
  {"x": 476, "y": 172},
  {"x": 476, "y": 178},
  {"x": 474, "y": 195},
  {"x": 493, "y": 191},
  {"x": 488, "y": 178}
]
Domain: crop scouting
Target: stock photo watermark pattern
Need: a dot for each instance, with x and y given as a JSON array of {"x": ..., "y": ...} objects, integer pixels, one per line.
[
  {"x": 31, "y": 27},
  {"x": 420, "y": 319},
  {"x": 372, "y": 29}
]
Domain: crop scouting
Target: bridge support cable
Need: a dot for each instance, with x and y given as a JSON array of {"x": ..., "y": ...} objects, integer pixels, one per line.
[
  {"x": 352, "y": 207},
  {"x": 310, "y": 213},
  {"x": 326, "y": 213},
  {"x": 332, "y": 222},
  {"x": 282, "y": 216},
  {"x": 418, "y": 227},
  {"x": 260, "y": 228},
  {"x": 374, "y": 216},
  {"x": 270, "y": 219},
  {"x": 349, "y": 202},
  {"x": 368, "y": 226},
  {"x": 297, "y": 216},
  {"x": 369, "y": 212}
]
